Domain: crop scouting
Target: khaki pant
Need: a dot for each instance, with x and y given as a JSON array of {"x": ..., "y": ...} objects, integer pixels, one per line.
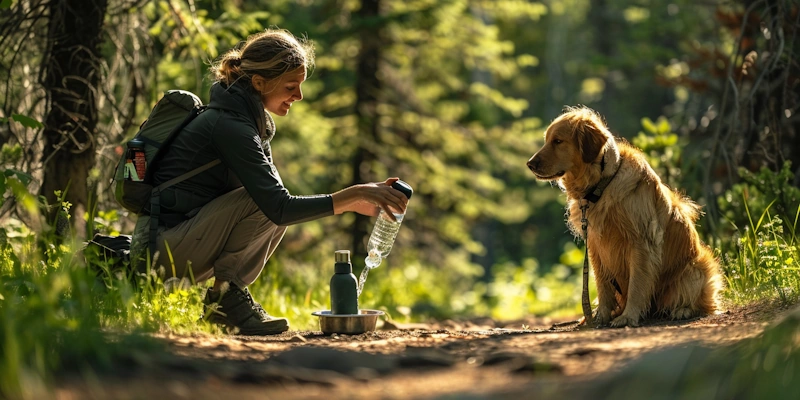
[{"x": 229, "y": 239}]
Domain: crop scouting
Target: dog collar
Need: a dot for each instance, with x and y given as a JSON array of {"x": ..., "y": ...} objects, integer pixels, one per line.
[{"x": 594, "y": 193}]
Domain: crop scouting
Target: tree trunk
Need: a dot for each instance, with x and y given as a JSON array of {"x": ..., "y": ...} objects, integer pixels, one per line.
[
  {"x": 70, "y": 77},
  {"x": 368, "y": 88}
]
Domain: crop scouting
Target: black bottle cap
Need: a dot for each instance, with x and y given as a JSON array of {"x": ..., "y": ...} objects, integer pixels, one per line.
[
  {"x": 403, "y": 187},
  {"x": 135, "y": 143}
]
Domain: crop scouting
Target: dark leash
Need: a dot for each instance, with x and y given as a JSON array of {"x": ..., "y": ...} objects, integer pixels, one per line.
[
  {"x": 585, "y": 303},
  {"x": 592, "y": 196}
]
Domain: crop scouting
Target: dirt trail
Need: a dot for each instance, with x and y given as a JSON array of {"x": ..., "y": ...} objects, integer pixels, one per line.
[{"x": 471, "y": 359}]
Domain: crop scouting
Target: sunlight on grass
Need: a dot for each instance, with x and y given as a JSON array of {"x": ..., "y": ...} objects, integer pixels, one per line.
[{"x": 767, "y": 261}]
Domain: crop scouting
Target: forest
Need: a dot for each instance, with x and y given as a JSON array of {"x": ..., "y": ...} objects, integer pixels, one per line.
[{"x": 452, "y": 96}]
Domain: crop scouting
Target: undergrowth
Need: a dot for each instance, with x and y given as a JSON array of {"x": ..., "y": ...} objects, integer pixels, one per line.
[
  {"x": 761, "y": 258},
  {"x": 766, "y": 262}
]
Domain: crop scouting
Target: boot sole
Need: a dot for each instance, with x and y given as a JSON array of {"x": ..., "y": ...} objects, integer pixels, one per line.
[{"x": 275, "y": 327}]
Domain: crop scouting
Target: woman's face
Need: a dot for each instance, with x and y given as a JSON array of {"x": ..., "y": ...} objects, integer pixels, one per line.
[{"x": 279, "y": 94}]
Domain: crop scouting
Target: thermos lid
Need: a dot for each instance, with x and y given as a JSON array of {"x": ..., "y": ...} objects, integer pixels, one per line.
[
  {"x": 135, "y": 143},
  {"x": 403, "y": 187},
  {"x": 342, "y": 256}
]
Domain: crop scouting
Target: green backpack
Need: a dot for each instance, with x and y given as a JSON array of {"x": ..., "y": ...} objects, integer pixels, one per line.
[{"x": 133, "y": 180}]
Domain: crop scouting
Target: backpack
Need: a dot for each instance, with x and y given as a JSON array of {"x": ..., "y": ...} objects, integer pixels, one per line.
[{"x": 168, "y": 118}]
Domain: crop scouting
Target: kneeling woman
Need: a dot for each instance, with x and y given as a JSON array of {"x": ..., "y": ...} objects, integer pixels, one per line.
[{"x": 227, "y": 221}]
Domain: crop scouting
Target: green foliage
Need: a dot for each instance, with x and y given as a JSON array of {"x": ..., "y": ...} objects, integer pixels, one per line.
[
  {"x": 661, "y": 146},
  {"x": 13, "y": 183},
  {"x": 191, "y": 37},
  {"x": 761, "y": 258},
  {"x": 52, "y": 316},
  {"x": 766, "y": 265},
  {"x": 766, "y": 261},
  {"x": 59, "y": 315},
  {"x": 26, "y": 121},
  {"x": 520, "y": 291},
  {"x": 758, "y": 192}
]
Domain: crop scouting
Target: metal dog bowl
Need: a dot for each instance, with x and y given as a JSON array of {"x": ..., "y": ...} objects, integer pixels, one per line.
[{"x": 348, "y": 324}]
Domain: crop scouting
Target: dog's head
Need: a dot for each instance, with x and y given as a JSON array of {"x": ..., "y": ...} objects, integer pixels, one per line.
[{"x": 572, "y": 141}]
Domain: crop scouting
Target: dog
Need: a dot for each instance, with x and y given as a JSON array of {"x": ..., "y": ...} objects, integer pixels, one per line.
[{"x": 646, "y": 255}]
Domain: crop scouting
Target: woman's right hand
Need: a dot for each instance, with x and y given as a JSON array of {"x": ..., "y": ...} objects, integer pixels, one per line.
[{"x": 369, "y": 198}]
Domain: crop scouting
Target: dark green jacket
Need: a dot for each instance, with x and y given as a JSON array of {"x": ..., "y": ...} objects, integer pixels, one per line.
[{"x": 235, "y": 129}]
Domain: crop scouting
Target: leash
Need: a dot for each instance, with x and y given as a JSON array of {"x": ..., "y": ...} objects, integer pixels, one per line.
[
  {"x": 592, "y": 196},
  {"x": 585, "y": 303}
]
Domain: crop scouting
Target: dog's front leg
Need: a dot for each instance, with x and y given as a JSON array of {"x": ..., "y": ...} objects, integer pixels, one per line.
[
  {"x": 606, "y": 300},
  {"x": 642, "y": 267}
]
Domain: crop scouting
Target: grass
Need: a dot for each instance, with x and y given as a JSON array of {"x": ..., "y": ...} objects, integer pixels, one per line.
[
  {"x": 58, "y": 315},
  {"x": 766, "y": 260},
  {"x": 52, "y": 319}
]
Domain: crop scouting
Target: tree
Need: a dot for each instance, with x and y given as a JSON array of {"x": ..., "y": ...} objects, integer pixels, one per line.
[
  {"x": 368, "y": 96},
  {"x": 747, "y": 80},
  {"x": 70, "y": 76}
]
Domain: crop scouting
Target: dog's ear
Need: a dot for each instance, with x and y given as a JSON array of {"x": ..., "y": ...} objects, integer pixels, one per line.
[{"x": 591, "y": 139}]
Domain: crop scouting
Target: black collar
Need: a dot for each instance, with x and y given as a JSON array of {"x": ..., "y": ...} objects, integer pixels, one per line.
[{"x": 594, "y": 193}]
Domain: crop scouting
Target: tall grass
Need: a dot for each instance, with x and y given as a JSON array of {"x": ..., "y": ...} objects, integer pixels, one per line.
[
  {"x": 58, "y": 314},
  {"x": 766, "y": 260},
  {"x": 50, "y": 319}
]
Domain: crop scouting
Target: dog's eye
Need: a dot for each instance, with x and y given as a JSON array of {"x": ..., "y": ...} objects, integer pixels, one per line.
[{"x": 557, "y": 141}]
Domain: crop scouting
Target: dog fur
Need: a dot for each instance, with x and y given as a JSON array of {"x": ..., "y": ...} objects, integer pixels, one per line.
[{"x": 646, "y": 255}]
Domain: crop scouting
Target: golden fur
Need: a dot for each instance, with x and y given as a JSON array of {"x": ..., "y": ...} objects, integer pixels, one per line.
[{"x": 641, "y": 233}]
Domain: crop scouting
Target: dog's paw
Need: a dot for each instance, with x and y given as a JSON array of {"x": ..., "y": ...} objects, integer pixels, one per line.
[
  {"x": 625, "y": 320},
  {"x": 602, "y": 317},
  {"x": 683, "y": 313}
]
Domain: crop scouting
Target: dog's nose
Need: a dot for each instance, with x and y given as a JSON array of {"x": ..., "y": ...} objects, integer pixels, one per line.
[{"x": 533, "y": 163}]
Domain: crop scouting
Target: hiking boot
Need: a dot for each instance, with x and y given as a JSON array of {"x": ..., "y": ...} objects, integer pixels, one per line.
[{"x": 235, "y": 308}]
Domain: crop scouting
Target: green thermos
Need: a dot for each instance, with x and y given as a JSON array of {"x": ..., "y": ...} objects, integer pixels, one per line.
[{"x": 344, "y": 296}]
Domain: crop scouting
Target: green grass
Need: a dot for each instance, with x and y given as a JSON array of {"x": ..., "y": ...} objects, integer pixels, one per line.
[
  {"x": 58, "y": 315},
  {"x": 766, "y": 262}
]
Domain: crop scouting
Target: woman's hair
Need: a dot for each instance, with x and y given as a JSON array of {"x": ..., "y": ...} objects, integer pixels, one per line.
[{"x": 269, "y": 54}]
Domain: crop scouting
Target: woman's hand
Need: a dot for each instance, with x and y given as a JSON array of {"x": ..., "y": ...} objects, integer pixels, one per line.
[{"x": 369, "y": 198}]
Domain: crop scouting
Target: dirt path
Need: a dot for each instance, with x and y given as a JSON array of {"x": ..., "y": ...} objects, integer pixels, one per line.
[{"x": 473, "y": 359}]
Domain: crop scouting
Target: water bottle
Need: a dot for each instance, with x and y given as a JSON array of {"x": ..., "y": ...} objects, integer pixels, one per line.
[
  {"x": 385, "y": 231},
  {"x": 344, "y": 297},
  {"x": 135, "y": 164}
]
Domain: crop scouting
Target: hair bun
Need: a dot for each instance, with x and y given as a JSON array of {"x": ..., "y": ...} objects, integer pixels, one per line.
[{"x": 235, "y": 62}]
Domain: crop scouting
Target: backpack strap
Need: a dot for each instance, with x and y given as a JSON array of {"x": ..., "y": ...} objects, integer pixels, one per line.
[
  {"x": 155, "y": 195},
  {"x": 155, "y": 200}
]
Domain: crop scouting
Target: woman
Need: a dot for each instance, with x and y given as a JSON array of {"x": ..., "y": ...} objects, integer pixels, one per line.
[{"x": 227, "y": 221}]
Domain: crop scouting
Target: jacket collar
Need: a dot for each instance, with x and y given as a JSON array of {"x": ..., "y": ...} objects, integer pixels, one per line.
[{"x": 242, "y": 99}]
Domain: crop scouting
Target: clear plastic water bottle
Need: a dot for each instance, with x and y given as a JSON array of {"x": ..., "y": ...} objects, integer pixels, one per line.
[{"x": 385, "y": 231}]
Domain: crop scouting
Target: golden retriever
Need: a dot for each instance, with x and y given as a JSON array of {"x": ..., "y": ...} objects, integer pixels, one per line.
[{"x": 643, "y": 247}]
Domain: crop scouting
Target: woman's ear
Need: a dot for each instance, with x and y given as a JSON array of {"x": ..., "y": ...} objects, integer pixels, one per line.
[
  {"x": 591, "y": 139},
  {"x": 259, "y": 83}
]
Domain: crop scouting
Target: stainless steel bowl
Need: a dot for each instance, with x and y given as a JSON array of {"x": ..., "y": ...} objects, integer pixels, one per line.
[{"x": 348, "y": 324}]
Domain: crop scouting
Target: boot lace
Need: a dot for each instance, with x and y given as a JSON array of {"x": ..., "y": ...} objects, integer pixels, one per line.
[{"x": 255, "y": 305}]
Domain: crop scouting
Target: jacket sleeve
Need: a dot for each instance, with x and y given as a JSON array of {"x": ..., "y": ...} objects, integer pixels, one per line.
[{"x": 239, "y": 146}]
